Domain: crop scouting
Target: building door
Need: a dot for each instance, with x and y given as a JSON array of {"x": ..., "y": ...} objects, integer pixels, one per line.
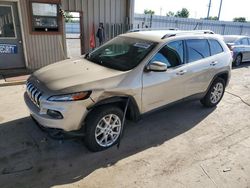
[
  {"x": 74, "y": 34},
  {"x": 11, "y": 48}
]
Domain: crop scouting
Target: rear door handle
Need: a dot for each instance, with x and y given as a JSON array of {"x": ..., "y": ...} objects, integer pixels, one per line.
[
  {"x": 182, "y": 72},
  {"x": 214, "y": 63}
]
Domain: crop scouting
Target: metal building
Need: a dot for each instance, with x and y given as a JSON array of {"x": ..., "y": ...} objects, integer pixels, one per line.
[{"x": 32, "y": 33}]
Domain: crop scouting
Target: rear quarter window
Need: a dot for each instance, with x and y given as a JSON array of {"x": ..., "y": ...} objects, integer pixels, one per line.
[
  {"x": 197, "y": 49},
  {"x": 215, "y": 47}
]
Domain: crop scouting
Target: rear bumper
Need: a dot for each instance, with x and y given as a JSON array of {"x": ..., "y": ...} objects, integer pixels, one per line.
[{"x": 73, "y": 113}]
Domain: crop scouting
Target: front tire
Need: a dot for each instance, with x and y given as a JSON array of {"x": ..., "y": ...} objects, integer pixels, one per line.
[
  {"x": 214, "y": 94},
  {"x": 103, "y": 128},
  {"x": 238, "y": 60}
]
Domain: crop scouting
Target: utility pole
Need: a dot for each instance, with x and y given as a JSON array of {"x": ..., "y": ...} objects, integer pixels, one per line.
[
  {"x": 220, "y": 9},
  {"x": 209, "y": 6}
]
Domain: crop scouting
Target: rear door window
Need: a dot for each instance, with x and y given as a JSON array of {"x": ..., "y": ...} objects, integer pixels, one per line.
[
  {"x": 244, "y": 41},
  {"x": 215, "y": 47},
  {"x": 197, "y": 49}
]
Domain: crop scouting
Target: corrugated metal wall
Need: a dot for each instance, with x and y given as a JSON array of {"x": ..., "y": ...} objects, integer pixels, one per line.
[
  {"x": 219, "y": 27},
  {"x": 94, "y": 11},
  {"x": 41, "y": 50},
  {"x": 46, "y": 49}
]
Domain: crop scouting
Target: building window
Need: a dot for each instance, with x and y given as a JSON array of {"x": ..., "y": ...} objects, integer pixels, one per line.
[
  {"x": 7, "y": 26},
  {"x": 45, "y": 17}
]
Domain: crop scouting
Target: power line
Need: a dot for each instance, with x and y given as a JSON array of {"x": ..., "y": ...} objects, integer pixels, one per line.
[
  {"x": 220, "y": 9},
  {"x": 209, "y": 6}
]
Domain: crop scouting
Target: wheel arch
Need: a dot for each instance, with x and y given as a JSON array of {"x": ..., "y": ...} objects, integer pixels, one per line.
[
  {"x": 237, "y": 54},
  {"x": 133, "y": 112},
  {"x": 224, "y": 75}
]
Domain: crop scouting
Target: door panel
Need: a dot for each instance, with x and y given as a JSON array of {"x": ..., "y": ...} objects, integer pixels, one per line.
[
  {"x": 199, "y": 69},
  {"x": 244, "y": 49},
  {"x": 248, "y": 50},
  {"x": 11, "y": 48},
  {"x": 161, "y": 88},
  {"x": 198, "y": 76}
]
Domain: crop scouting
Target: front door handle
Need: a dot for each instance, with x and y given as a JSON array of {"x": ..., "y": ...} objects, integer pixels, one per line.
[
  {"x": 214, "y": 63},
  {"x": 182, "y": 72}
]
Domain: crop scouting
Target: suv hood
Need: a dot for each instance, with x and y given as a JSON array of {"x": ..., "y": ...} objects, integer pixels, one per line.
[{"x": 76, "y": 75}]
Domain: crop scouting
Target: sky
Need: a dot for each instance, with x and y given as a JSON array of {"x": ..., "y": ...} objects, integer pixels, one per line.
[{"x": 197, "y": 8}]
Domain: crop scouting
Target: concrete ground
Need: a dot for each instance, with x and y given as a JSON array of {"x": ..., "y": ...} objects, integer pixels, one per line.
[
  {"x": 185, "y": 145},
  {"x": 13, "y": 77}
]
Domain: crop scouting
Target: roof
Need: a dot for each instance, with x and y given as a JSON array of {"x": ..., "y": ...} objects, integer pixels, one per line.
[
  {"x": 235, "y": 36},
  {"x": 232, "y": 38},
  {"x": 159, "y": 35}
]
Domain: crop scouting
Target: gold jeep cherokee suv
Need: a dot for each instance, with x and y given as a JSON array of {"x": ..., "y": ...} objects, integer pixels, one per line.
[{"x": 142, "y": 71}]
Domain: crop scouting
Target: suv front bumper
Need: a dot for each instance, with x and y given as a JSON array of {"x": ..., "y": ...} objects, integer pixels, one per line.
[{"x": 73, "y": 112}]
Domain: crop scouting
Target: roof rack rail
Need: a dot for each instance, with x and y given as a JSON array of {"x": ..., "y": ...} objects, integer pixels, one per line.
[
  {"x": 152, "y": 29},
  {"x": 205, "y": 31},
  {"x": 188, "y": 32}
]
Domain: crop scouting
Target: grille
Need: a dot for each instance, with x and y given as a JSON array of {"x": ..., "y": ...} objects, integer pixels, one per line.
[{"x": 34, "y": 93}]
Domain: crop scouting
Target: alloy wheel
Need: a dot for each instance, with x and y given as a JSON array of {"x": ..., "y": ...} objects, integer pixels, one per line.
[
  {"x": 238, "y": 60},
  {"x": 216, "y": 93},
  {"x": 108, "y": 130}
]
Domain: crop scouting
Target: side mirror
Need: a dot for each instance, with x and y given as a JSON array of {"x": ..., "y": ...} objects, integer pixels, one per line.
[{"x": 156, "y": 66}]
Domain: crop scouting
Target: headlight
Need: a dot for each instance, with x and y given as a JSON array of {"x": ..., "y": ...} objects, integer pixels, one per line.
[{"x": 70, "y": 97}]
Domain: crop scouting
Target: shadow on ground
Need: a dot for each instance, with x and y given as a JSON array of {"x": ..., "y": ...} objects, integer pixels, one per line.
[
  {"x": 29, "y": 158},
  {"x": 9, "y": 73},
  {"x": 243, "y": 65}
]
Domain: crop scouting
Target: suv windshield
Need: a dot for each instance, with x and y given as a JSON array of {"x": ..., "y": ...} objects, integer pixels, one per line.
[{"x": 121, "y": 53}]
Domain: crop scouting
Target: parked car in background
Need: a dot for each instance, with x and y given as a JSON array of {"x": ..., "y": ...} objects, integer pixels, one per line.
[
  {"x": 240, "y": 46},
  {"x": 138, "y": 71}
]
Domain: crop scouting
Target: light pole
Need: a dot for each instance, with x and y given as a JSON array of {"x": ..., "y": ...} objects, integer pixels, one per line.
[
  {"x": 220, "y": 9},
  {"x": 209, "y": 6}
]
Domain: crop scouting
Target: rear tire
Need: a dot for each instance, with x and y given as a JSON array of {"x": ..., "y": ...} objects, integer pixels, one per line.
[
  {"x": 214, "y": 94},
  {"x": 103, "y": 127},
  {"x": 238, "y": 60}
]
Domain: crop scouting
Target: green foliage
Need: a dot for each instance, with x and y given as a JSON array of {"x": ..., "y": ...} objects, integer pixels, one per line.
[
  {"x": 212, "y": 18},
  {"x": 183, "y": 13},
  {"x": 147, "y": 11},
  {"x": 68, "y": 17},
  {"x": 170, "y": 14},
  {"x": 240, "y": 19}
]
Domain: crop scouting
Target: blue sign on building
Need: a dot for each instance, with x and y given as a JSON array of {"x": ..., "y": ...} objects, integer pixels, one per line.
[{"x": 8, "y": 49}]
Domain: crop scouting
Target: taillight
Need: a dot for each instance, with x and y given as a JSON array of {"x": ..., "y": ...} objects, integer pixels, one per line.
[
  {"x": 230, "y": 47},
  {"x": 232, "y": 53}
]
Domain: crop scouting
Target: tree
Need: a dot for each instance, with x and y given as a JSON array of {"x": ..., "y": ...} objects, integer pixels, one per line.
[
  {"x": 183, "y": 13},
  {"x": 212, "y": 18},
  {"x": 240, "y": 19},
  {"x": 170, "y": 14},
  {"x": 147, "y": 11},
  {"x": 68, "y": 17}
]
